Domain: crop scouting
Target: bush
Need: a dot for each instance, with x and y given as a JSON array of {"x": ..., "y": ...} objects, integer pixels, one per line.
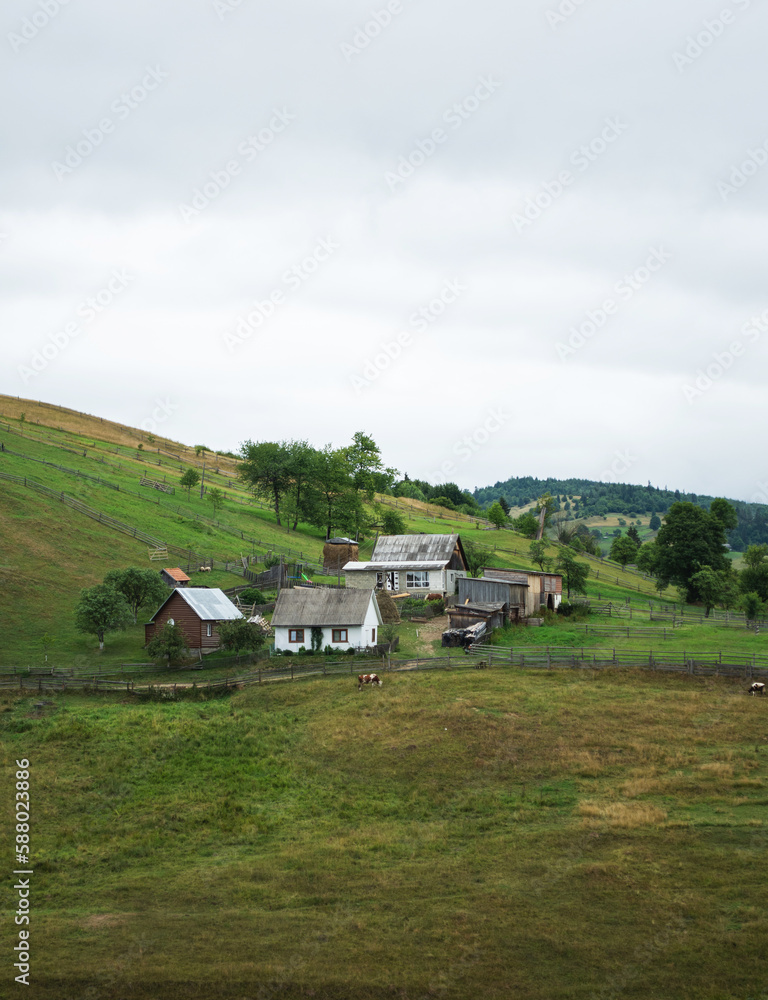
[
  {"x": 329, "y": 650},
  {"x": 287, "y": 652},
  {"x": 302, "y": 650},
  {"x": 351, "y": 651},
  {"x": 565, "y": 608},
  {"x": 252, "y": 596}
]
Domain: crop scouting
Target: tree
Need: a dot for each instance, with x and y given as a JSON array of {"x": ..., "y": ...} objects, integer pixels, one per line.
[
  {"x": 633, "y": 533},
  {"x": 367, "y": 469},
  {"x": 477, "y": 556},
  {"x": 190, "y": 479},
  {"x": 752, "y": 605},
  {"x": 645, "y": 560},
  {"x": 690, "y": 539},
  {"x": 623, "y": 550},
  {"x": 240, "y": 635},
  {"x": 537, "y": 552},
  {"x": 168, "y": 643},
  {"x": 655, "y": 523},
  {"x": 298, "y": 501},
  {"x": 140, "y": 587},
  {"x": 574, "y": 573},
  {"x": 410, "y": 490},
  {"x": 526, "y": 524},
  {"x": 710, "y": 586},
  {"x": 266, "y": 470},
  {"x": 102, "y": 609},
  {"x": 504, "y": 505},
  {"x": 754, "y": 577},
  {"x": 216, "y": 497},
  {"x": 393, "y": 523},
  {"x": 496, "y": 515}
]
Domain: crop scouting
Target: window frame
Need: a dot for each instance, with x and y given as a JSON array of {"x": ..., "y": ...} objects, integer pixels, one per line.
[
  {"x": 410, "y": 583},
  {"x": 338, "y": 632},
  {"x": 299, "y": 633}
]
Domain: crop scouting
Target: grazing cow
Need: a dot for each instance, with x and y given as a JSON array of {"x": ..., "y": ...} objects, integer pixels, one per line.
[
  {"x": 757, "y": 688},
  {"x": 367, "y": 679}
]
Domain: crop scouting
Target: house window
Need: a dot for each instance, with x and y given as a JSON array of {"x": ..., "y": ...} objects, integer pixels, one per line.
[
  {"x": 209, "y": 629},
  {"x": 295, "y": 635},
  {"x": 373, "y": 635},
  {"x": 339, "y": 635},
  {"x": 417, "y": 580}
]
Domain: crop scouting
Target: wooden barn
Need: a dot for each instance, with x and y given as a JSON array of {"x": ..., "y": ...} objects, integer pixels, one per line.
[
  {"x": 175, "y": 577},
  {"x": 418, "y": 564},
  {"x": 513, "y": 593},
  {"x": 337, "y": 552},
  {"x": 198, "y": 610},
  {"x": 545, "y": 590},
  {"x": 493, "y": 613}
]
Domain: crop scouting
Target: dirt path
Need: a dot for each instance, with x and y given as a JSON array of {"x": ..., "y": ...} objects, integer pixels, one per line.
[{"x": 428, "y": 632}]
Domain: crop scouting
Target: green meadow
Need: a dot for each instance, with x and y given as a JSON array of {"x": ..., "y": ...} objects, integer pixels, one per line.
[{"x": 496, "y": 833}]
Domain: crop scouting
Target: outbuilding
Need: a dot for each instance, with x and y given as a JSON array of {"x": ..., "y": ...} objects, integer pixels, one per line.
[
  {"x": 418, "y": 564},
  {"x": 175, "y": 577},
  {"x": 197, "y": 610}
]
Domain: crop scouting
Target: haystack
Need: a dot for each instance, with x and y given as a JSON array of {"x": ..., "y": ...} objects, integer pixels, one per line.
[
  {"x": 387, "y": 607},
  {"x": 337, "y": 552}
]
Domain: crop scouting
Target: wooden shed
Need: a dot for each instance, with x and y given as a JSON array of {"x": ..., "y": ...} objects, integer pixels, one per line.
[
  {"x": 493, "y": 613},
  {"x": 197, "y": 610},
  {"x": 511, "y": 592},
  {"x": 175, "y": 577}
]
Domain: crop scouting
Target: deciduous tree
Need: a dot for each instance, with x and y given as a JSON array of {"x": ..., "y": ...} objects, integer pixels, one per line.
[
  {"x": 102, "y": 609},
  {"x": 140, "y": 587}
]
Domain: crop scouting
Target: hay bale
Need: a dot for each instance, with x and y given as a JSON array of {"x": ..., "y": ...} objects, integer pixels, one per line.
[
  {"x": 387, "y": 607},
  {"x": 337, "y": 554}
]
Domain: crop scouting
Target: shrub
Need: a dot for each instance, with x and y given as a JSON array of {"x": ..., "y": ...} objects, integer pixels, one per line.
[
  {"x": 287, "y": 652},
  {"x": 272, "y": 560},
  {"x": 252, "y": 596},
  {"x": 329, "y": 650},
  {"x": 302, "y": 650},
  {"x": 565, "y": 608},
  {"x": 351, "y": 651}
]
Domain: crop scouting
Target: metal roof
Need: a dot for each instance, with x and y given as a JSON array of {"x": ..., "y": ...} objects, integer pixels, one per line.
[
  {"x": 308, "y": 606},
  {"x": 176, "y": 574},
  {"x": 402, "y": 565},
  {"x": 210, "y": 604},
  {"x": 425, "y": 548}
]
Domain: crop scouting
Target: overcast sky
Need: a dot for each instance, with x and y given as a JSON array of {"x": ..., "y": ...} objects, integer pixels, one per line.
[{"x": 520, "y": 238}]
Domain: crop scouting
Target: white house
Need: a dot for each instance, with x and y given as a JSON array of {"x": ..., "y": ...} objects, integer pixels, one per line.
[
  {"x": 346, "y": 618},
  {"x": 419, "y": 564}
]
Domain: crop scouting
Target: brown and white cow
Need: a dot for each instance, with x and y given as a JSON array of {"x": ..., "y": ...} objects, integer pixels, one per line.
[
  {"x": 367, "y": 679},
  {"x": 757, "y": 688}
]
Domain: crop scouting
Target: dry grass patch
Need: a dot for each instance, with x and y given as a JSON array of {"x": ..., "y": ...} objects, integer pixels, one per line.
[
  {"x": 717, "y": 769},
  {"x": 626, "y": 815}
]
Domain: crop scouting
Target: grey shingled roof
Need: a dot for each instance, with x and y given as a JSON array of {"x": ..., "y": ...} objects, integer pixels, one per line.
[
  {"x": 410, "y": 548},
  {"x": 403, "y": 565},
  {"x": 306, "y": 606}
]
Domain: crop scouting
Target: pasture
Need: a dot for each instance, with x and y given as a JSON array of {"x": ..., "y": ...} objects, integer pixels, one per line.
[{"x": 496, "y": 833}]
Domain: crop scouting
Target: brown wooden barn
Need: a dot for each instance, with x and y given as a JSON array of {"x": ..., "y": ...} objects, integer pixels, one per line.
[{"x": 198, "y": 610}]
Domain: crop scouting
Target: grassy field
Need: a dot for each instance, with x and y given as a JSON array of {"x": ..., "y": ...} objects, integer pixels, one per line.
[{"x": 468, "y": 834}]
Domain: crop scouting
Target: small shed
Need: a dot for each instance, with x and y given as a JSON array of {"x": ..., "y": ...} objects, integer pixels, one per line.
[
  {"x": 545, "y": 590},
  {"x": 494, "y": 614},
  {"x": 511, "y": 592},
  {"x": 337, "y": 552},
  {"x": 175, "y": 577}
]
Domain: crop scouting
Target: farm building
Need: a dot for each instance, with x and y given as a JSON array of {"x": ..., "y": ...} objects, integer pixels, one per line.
[
  {"x": 197, "y": 610},
  {"x": 493, "y": 613},
  {"x": 513, "y": 593},
  {"x": 346, "y": 619},
  {"x": 418, "y": 564},
  {"x": 175, "y": 577},
  {"x": 337, "y": 552},
  {"x": 544, "y": 589}
]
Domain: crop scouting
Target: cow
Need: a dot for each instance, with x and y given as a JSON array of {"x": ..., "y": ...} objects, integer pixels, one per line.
[
  {"x": 367, "y": 679},
  {"x": 757, "y": 688}
]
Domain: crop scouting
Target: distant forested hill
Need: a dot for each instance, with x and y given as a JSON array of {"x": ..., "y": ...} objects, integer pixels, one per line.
[{"x": 587, "y": 498}]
